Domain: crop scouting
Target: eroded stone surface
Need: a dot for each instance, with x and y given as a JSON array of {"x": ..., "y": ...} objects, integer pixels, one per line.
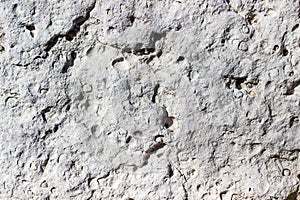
[{"x": 149, "y": 99}]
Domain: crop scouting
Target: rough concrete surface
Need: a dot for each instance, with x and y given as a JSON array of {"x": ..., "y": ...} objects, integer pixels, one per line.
[{"x": 150, "y": 99}]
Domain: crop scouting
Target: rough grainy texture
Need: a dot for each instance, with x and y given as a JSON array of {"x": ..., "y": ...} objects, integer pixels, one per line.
[{"x": 149, "y": 99}]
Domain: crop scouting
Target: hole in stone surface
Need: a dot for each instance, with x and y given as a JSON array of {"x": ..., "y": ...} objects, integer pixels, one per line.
[
  {"x": 44, "y": 111},
  {"x": 159, "y": 53},
  {"x": 2, "y": 48},
  {"x": 131, "y": 18},
  {"x": 111, "y": 28},
  {"x": 55, "y": 128},
  {"x": 121, "y": 59},
  {"x": 155, "y": 147},
  {"x": 250, "y": 17},
  {"x": 69, "y": 63},
  {"x": 70, "y": 36},
  {"x": 128, "y": 139},
  {"x": 68, "y": 108},
  {"x": 177, "y": 28},
  {"x": 51, "y": 43},
  {"x": 295, "y": 27},
  {"x": 238, "y": 82},
  {"x": 150, "y": 59},
  {"x": 285, "y": 52},
  {"x": 31, "y": 28},
  {"x": 180, "y": 58},
  {"x": 155, "y": 92},
  {"x": 275, "y": 48},
  {"x": 170, "y": 171},
  {"x": 158, "y": 138},
  {"x": 14, "y": 8},
  {"x": 143, "y": 51},
  {"x": 168, "y": 122},
  {"x": 293, "y": 120},
  {"x": 286, "y": 172}
]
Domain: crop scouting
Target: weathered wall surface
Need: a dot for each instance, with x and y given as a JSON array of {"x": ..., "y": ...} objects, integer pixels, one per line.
[{"x": 145, "y": 99}]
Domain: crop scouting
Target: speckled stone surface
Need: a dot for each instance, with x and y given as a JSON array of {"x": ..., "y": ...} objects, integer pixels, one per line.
[{"x": 145, "y": 99}]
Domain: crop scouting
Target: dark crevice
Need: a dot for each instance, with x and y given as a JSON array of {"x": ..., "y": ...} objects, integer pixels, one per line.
[
  {"x": 186, "y": 195},
  {"x": 92, "y": 194},
  {"x": 170, "y": 172},
  {"x": 159, "y": 53},
  {"x": 285, "y": 52},
  {"x": 295, "y": 27},
  {"x": 105, "y": 175},
  {"x": 189, "y": 72},
  {"x": 155, "y": 92},
  {"x": 55, "y": 128},
  {"x": 46, "y": 134},
  {"x": 128, "y": 139},
  {"x": 158, "y": 136},
  {"x": 69, "y": 63},
  {"x": 177, "y": 28},
  {"x": 275, "y": 48},
  {"x": 44, "y": 111},
  {"x": 30, "y": 27},
  {"x": 155, "y": 147},
  {"x": 143, "y": 51},
  {"x": 150, "y": 59},
  {"x": 117, "y": 60},
  {"x": 180, "y": 58},
  {"x": 238, "y": 82},
  {"x": 250, "y": 17},
  {"x": 131, "y": 19},
  {"x": 52, "y": 42},
  {"x": 168, "y": 122},
  {"x": 77, "y": 23},
  {"x": 293, "y": 120}
]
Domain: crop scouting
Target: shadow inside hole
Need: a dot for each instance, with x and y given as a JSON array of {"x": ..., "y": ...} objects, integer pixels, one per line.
[
  {"x": 168, "y": 122},
  {"x": 31, "y": 28},
  {"x": 285, "y": 52},
  {"x": 121, "y": 59}
]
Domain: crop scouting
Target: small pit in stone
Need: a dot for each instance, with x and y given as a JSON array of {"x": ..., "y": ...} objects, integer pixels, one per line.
[
  {"x": 131, "y": 19},
  {"x": 180, "y": 58},
  {"x": 143, "y": 51},
  {"x": 115, "y": 61},
  {"x": 295, "y": 27},
  {"x": 275, "y": 48},
  {"x": 128, "y": 139},
  {"x": 285, "y": 52},
  {"x": 168, "y": 122},
  {"x": 30, "y": 28}
]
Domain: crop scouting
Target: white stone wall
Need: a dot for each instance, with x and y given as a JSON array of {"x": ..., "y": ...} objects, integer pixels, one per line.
[{"x": 150, "y": 99}]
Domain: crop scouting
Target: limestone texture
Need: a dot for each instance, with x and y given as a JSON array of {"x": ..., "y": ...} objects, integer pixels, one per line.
[{"x": 150, "y": 99}]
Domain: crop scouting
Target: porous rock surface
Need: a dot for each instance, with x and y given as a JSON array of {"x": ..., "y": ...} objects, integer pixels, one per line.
[{"x": 149, "y": 99}]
